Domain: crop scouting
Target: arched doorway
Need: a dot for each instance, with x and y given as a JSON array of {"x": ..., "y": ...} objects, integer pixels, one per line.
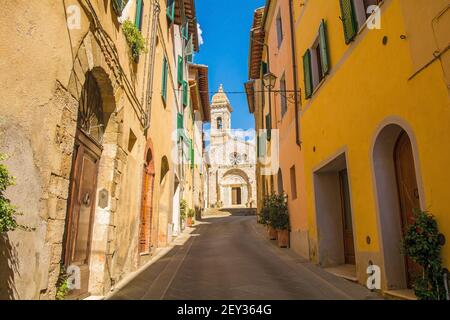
[
  {"x": 91, "y": 124},
  {"x": 398, "y": 196},
  {"x": 235, "y": 189},
  {"x": 145, "y": 227}
]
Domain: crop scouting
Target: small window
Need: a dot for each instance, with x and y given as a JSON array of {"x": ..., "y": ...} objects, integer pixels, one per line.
[
  {"x": 219, "y": 123},
  {"x": 283, "y": 94},
  {"x": 363, "y": 10},
  {"x": 279, "y": 29},
  {"x": 164, "y": 79},
  {"x": 293, "y": 183}
]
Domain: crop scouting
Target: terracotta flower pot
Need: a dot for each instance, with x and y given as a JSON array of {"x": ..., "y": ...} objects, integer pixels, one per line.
[
  {"x": 190, "y": 222},
  {"x": 272, "y": 233},
  {"x": 283, "y": 238}
]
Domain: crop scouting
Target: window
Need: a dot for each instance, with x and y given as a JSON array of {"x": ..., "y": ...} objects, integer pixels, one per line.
[
  {"x": 354, "y": 14},
  {"x": 264, "y": 68},
  {"x": 164, "y": 79},
  {"x": 316, "y": 62},
  {"x": 219, "y": 123},
  {"x": 139, "y": 14},
  {"x": 185, "y": 93},
  {"x": 268, "y": 127},
  {"x": 185, "y": 31},
  {"x": 283, "y": 95},
  {"x": 279, "y": 29},
  {"x": 293, "y": 183},
  {"x": 180, "y": 70},
  {"x": 171, "y": 10},
  {"x": 119, "y": 5}
]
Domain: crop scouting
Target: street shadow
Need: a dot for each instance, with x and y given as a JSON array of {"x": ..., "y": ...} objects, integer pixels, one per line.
[
  {"x": 149, "y": 283},
  {"x": 9, "y": 266}
]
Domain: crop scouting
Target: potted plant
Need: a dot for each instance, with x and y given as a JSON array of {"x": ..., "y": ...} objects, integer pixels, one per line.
[
  {"x": 423, "y": 245},
  {"x": 279, "y": 219},
  {"x": 183, "y": 212},
  {"x": 190, "y": 217}
]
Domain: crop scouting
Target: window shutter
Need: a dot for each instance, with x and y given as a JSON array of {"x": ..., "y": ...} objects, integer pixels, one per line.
[
  {"x": 139, "y": 13},
  {"x": 262, "y": 145},
  {"x": 324, "y": 48},
  {"x": 185, "y": 31},
  {"x": 164, "y": 80},
  {"x": 171, "y": 10},
  {"x": 180, "y": 121},
  {"x": 348, "y": 20},
  {"x": 307, "y": 74},
  {"x": 119, "y": 5},
  {"x": 180, "y": 70},
  {"x": 192, "y": 154},
  {"x": 185, "y": 93},
  {"x": 189, "y": 50},
  {"x": 268, "y": 127}
]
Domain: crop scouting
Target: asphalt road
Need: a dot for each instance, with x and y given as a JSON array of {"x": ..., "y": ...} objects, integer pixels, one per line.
[{"x": 231, "y": 258}]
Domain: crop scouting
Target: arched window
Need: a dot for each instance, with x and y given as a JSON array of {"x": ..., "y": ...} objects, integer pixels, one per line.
[{"x": 219, "y": 123}]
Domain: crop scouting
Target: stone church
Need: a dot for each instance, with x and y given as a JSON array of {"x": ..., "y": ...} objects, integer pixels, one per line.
[{"x": 231, "y": 176}]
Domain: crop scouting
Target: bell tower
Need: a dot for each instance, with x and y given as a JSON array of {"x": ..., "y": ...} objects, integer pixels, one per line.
[{"x": 220, "y": 117}]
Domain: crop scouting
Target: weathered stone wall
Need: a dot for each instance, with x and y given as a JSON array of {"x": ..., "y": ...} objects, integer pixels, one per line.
[{"x": 40, "y": 87}]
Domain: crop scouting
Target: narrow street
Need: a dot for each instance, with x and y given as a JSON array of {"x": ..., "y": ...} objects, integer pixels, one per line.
[{"x": 229, "y": 257}]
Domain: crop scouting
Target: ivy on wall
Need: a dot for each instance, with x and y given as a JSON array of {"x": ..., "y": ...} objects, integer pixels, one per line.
[{"x": 7, "y": 211}]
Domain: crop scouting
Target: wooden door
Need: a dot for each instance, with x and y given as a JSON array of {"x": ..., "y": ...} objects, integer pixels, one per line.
[
  {"x": 239, "y": 196},
  {"x": 81, "y": 208},
  {"x": 347, "y": 221},
  {"x": 408, "y": 193},
  {"x": 147, "y": 209}
]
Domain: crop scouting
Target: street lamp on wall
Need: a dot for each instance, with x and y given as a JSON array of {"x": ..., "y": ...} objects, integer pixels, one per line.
[{"x": 269, "y": 80}]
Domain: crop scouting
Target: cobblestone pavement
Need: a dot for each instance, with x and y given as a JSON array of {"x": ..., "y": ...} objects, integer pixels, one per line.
[{"x": 229, "y": 257}]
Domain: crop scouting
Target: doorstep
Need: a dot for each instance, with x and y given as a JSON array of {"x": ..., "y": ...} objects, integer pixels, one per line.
[
  {"x": 346, "y": 271},
  {"x": 405, "y": 294}
]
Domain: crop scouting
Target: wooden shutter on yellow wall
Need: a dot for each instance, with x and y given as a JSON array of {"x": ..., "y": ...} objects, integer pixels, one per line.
[
  {"x": 348, "y": 18},
  {"x": 307, "y": 74}
]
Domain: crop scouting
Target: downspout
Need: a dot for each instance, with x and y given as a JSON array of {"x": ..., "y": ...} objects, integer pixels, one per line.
[
  {"x": 151, "y": 69},
  {"x": 294, "y": 66}
]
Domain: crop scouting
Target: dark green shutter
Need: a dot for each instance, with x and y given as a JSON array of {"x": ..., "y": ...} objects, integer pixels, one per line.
[
  {"x": 324, "y": 48},
  {"x": 269, "y": 127},
  {"x": 180, "y": 70},
  {"x": 139, "y": 12},
  {"x": 185, "y": 93},
  {"x": 307, "y": 74},
  {"x": 171, "y": 10},
  {"x": 348, "y": 20},
  {"x": 119, "y": 5},
  {"x": 180, "y": 121},
  {"x": 164, "y": 80},
  {"x": 192, "y": 154}
]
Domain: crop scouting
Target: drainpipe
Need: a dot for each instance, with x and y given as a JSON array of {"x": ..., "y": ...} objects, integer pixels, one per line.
[
  {"x": 294, "y": 65},
  {"x": 151, "y": 69}
]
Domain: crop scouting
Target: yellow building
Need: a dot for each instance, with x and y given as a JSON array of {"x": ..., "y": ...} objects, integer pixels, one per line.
[{"x": 374, "y": 129}]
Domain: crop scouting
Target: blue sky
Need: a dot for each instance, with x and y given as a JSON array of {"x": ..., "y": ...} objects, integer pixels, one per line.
[{"x": 226, "y": 30}]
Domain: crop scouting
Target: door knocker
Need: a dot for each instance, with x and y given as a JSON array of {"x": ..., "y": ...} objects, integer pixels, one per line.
[{"x": 87, "y": 200}]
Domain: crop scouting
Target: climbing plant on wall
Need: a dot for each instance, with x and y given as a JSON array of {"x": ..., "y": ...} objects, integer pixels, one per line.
[
  {"x": 7, "y": 211},
  {"x": 423, "y": 243}
]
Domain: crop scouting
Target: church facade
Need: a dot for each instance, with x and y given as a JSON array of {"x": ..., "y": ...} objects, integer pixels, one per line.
[{"x": 231, "y": 174}]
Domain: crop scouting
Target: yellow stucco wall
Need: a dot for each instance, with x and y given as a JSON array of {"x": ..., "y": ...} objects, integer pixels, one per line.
[{"x": 367, "y": 87}]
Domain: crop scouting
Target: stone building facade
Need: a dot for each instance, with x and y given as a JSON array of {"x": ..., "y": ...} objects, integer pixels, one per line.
[
  {"x": 88, "y": 138},
  {"x": 231, "y": 174}
]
